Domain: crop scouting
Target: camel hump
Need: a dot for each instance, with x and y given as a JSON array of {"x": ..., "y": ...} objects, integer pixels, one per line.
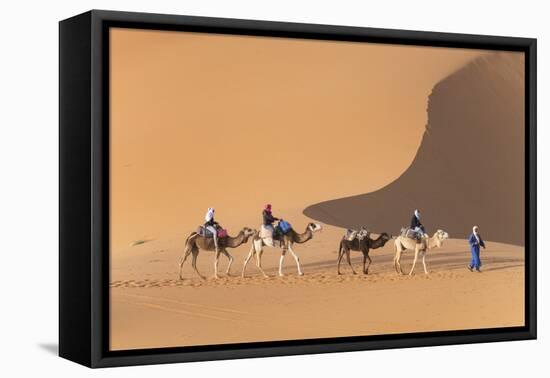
[{"x": 192, "y": 236}]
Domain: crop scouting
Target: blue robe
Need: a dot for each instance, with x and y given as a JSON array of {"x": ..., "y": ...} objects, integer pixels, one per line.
[{"x": 474, "y": 246}]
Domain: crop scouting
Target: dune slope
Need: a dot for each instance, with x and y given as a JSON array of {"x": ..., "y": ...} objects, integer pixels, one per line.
[{"x": 469, "y": 168}]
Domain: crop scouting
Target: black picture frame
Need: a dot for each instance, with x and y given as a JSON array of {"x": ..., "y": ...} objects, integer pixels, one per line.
[{"x": 84, "y": 187}]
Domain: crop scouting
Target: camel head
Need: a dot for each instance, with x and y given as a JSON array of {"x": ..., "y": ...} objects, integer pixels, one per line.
[
  {"x": 380, "y": 241},
  {"x": 385, "y": 237},
  {"x": 314, "y": 227},
  {"x": 439, "y": 236},
  {"x": 248, "y": 231}
]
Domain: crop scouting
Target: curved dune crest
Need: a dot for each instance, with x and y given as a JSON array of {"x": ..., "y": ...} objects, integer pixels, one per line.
[{"x": 469, "y": 169}]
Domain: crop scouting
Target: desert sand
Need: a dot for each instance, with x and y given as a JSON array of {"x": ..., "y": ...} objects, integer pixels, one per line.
[
  {"x": 234, "y": 123},
  {"x": 151, "y": 307}
]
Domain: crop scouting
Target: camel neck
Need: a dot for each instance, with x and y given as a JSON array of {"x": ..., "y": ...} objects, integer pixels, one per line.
[
  {"x": 237, "y": 240},
  {"x": 302, "y": 238},
  {"x": 432, "y": 241},
  {"x": 376, "y": 243}
]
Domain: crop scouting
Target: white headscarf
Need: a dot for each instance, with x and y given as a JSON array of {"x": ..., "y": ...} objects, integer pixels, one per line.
[
  {"x": 209, "y": 214},
  {"x": 417, "y": 214},
  {"x": 475, "y": 233}
]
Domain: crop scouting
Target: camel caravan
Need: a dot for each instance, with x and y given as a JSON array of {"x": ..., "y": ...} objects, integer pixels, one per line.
[{"x": 278, "y": 233}]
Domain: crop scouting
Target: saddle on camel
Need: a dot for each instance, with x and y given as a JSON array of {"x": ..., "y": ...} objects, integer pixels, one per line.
[
  {"x": 410, "y": 233},
  {"x": 268, "y": 232},
  {"x": 272, "y": 234},
  {"x": 220, "y": 231},
  {"x": 351, "y": 234}
]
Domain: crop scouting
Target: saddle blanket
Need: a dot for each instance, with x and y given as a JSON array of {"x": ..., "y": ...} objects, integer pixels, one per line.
[
  {"x": 350, "y": 234},
  {"x": 284, "y": 226},
  {"x": 202, "y": 231},
  {"x": 266, "y": 233},
  {"x": 410, "y": 233}
]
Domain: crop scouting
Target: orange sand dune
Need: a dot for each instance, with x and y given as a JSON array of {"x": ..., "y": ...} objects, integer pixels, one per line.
[
  {"x": 234, "y": 122},
  {"x": 470, "y": 167}
]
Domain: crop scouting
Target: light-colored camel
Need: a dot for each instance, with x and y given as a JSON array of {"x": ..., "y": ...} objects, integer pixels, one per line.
[
  {"x": 286, "y": 242},
  {"x": 403, "y": 243},
  {"x": 196, "y": 242}
]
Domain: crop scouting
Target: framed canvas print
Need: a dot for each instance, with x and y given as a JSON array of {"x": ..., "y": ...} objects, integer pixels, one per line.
[{"x": 235, "y": 188}]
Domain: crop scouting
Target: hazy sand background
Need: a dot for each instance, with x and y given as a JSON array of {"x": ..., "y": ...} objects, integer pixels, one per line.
[{"x": 235, "y": 122}]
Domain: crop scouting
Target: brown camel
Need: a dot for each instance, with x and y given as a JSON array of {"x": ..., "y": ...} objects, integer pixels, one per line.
[
  {"x": 286, "y": 242},
  {"x": 196, "y": 242},
  {"x": 362, "y": 245}
]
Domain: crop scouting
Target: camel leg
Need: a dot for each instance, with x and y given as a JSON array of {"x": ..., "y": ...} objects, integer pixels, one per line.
[
  {"x": 194, "y": 264},
  {"x": 368, "y": 265},
  {"x": 397, "y": 262},
  {"x": 182, "y": 261},
  {"x": 248, "y": 258},
  {"x": 259, "y": 263},
  {"x": 340, "y": 255},
  {"x": 258, "y": 258},
  {"x": 297, "y": 260},
  {"x": 414, "y": 261},
  {"x": 424, "y": 262},
  {"x": 283, "y": 253},
  {"x": 366, "y": 258},
  {"x": 216, "y": 260},
  {"x": 349, "y": 261},
  {"x": 230, "y": 257}
]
